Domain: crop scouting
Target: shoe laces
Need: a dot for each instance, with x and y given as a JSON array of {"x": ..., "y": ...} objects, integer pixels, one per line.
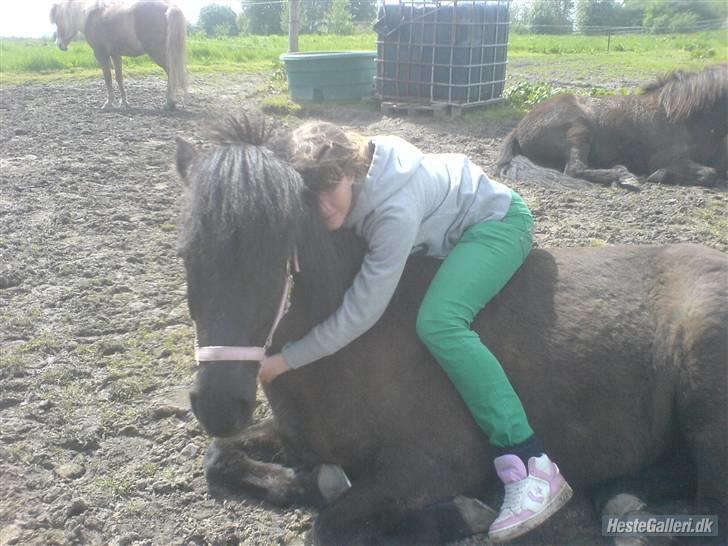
[{"x": 514, "y": 493}]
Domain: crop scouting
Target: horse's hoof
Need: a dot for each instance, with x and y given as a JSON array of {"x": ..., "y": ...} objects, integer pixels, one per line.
[
  {"x": 332, "y": 482},
  {"x": 170, "y": 106},
  {"x": 630, "y": 185},
  {"x": 107, "y": 106},
  {"x": 707, "y": 176},
  {"x": 126, "y": 105},
  {"x": 658, "y": 177}
]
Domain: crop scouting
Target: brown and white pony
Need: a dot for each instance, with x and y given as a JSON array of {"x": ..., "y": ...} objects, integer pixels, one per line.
[{"x": 113, "y": 30}]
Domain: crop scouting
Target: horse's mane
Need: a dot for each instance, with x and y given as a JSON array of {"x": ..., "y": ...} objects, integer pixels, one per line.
[
  {"x": 70, "y": 13},
  {"x": 245, "y": 198},
  {"x": 683, "y": 94}
]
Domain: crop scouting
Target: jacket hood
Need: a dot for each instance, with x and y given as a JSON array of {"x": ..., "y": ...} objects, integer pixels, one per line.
[{"x": 394, "y": 162}]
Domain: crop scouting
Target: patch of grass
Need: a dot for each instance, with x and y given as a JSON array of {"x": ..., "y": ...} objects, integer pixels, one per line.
[
  {"x": 69, "y": 395},
  {"x": 22, "y": 355},
  {"x": 281, "y": 105},
  {"x": 527, "y": 45},
  {"x": 525, "y": 95},
  {"x": 43, "y": 344},
  {"x": 116, "y": 487},
  {"x": 634, "y": 56},
  {"x": 116, "y": 416},
  {"x": 19, "y": 452},
  {"x": 15, "y": 360},
  {"x": 149, "y": 469},
  {"x": 38, "y": 59},
  {"x": 498, "y": 112},
  {"x": 713, "y": 220},
  {"x": 135, "y": 508}
]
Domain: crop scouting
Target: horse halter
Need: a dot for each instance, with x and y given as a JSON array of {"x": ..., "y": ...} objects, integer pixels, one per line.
[{"x": 232, "y": 353}]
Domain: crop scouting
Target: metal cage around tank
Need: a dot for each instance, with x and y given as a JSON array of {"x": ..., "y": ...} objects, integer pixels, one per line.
[{"x": 452, "y": 52}]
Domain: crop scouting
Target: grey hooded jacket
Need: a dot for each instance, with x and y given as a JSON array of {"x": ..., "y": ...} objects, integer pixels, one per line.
[{"x": 409, "y": 203}]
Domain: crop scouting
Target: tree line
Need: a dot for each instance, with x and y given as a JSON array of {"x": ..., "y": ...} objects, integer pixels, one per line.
[
  {"x": 271, "y": 17},
  {"x": 595, "y": 16},
  {"x": 537, "y": 16}
]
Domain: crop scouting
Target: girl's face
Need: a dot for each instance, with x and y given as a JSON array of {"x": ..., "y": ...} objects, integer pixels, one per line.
[{"x": 335, "y": 204}]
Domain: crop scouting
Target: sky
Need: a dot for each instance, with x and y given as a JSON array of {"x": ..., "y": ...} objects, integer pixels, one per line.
[{"x": 30, "y": 18}]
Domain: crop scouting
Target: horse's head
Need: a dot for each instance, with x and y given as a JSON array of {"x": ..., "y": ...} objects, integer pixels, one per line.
[
  {"x": 242, "y": 205},
  {"x": 69, "y": 18}
]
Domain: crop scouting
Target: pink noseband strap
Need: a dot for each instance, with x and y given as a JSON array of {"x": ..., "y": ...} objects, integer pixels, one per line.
[
  {"x": 229, "y": 353},
  {"x": 215, "y": 353}
]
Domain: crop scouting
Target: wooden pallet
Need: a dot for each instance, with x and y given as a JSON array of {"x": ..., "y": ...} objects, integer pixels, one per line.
[
  {"x": 412, "y": 109},
  {"x": 436, "y": 110}
]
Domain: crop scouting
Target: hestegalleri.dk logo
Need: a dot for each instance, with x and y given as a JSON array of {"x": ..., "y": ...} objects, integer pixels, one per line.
[{"x": 651, "y": 525}]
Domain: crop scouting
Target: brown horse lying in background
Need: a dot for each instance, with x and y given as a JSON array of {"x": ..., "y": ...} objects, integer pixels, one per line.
[
  {"x": 153, "y": 27},
  {"x": 674, "y": 132}
]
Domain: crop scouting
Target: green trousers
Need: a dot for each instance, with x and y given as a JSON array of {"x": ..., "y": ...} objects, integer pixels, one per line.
[{"x": 480, "y": 265}]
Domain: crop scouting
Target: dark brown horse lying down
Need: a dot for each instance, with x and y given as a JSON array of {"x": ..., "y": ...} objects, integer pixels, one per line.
[
  {"x": 674, "y": 132},
  {"x": 619, "y": 354},
  {"x": 113, "y": 30}
]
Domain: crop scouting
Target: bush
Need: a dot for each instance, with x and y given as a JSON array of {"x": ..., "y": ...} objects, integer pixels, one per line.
[
  {"x": 526, "y": 95},
  {"x": 338, "y": 19},
  {"x": 217, "y": 20}
]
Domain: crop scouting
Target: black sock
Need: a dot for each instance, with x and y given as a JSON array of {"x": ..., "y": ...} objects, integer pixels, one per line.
[{"x": 532, "y": 447}]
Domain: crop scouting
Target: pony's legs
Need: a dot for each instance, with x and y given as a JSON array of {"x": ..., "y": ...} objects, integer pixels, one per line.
[
  {"x": 105, "y": 63},
  {"x": 171, "y": 99},
  {"x": 685, "y": 172},
  {"x": 120, "y": 79},
  {"x": 263, "y": 442},
  {"x": 161, "y": 60},
  {"x": 229, "y": 468},
  {"x": 661, "y": 488},
  {"x": 388, "y": 504},
  {"x": 578, "y": 139}
]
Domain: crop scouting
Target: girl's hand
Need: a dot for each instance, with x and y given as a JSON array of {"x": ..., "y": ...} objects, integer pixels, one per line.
[{"x": 271, "y": 367}]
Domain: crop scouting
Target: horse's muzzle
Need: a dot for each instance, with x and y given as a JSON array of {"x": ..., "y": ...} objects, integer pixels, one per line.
[{"x": 223, "y": 397}]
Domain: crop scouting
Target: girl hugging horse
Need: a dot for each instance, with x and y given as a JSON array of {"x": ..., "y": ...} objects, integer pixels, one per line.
[{"x": 401, "y": 202}]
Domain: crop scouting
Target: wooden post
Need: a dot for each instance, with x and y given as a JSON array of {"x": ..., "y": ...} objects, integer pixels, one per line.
[{"x": 294, "y": 23}]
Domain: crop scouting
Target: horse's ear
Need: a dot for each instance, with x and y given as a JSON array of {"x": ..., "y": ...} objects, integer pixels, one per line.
[
  {"x": 186, "y": 154},
  {"x": 53, "y": 13}
]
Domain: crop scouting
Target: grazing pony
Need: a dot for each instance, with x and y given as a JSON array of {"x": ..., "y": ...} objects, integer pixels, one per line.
[
  {"x": 114, "y": 30},
  {"x": 674, "y": 131},
  {"x": 619, "y": 355}
]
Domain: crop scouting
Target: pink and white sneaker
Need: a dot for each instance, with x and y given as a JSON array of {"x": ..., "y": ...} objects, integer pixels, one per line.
[{"x": 531, "y": 498}]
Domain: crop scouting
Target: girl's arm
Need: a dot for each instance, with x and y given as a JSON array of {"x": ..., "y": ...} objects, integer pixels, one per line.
[{"x": 390, "y": 240}]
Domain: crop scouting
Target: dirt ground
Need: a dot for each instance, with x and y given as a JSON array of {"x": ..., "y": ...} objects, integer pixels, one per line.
[{"x": 96, "y": 442}]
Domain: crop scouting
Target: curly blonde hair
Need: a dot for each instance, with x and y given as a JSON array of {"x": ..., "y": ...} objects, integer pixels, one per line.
[{"x": 323, "y": 153}]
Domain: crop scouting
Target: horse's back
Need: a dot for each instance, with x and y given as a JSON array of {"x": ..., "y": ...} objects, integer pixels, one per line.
[
  {"x": 583, "y": 335},
  {"x": 128, "y": 29},
  {"x": 595, "y": 341}
]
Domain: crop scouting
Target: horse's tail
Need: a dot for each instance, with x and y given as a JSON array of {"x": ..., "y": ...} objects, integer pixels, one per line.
[
  {"x": 177, "y": 49},
  {"x": 509, "y": 149}
]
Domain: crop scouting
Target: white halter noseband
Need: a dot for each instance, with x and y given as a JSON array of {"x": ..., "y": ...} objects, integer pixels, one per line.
[{"x": 231, "y": 353}]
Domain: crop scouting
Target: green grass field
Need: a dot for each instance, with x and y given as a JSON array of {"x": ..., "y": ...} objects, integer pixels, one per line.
[{"x": 23, "y": 60}]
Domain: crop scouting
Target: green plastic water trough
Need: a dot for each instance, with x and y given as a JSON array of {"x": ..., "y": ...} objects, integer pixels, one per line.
[{"x": 330, "y": 75}]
